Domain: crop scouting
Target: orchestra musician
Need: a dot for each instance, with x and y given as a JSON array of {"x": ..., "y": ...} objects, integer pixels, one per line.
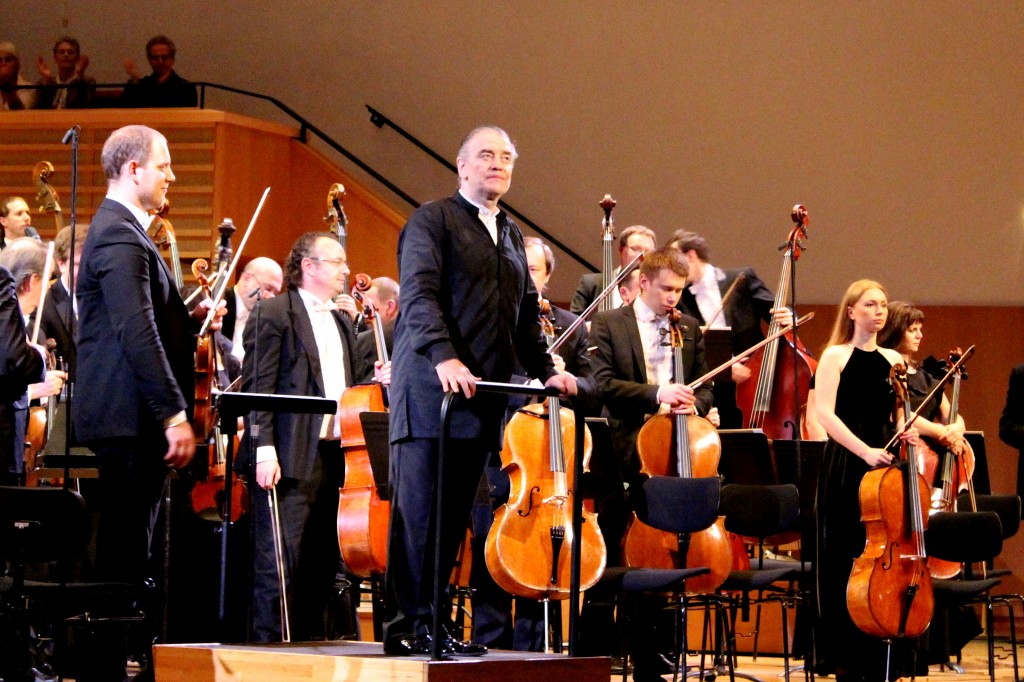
[
  {"x": 383, "y": 294},
  {"x": 854, "y": 402},
  {"x": 305, "y": 346},
  {"x": 261, "y": 278},
  {"x": 469, "y": 311},
  {"x": 136, "y": 369},
  {"x": 24, "y": 374},
  {"x": 633, "y": 241},
  {"x": 1011, "y": 421},
  {"x": 15, "y": 220},
  {"x": 56, "y": 323},
  {"x": 633, "y": 371},
  {"x": 750, "y": 304}
]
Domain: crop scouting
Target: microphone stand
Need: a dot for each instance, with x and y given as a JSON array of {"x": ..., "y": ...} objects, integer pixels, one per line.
[{"x": 71, "y": 136}]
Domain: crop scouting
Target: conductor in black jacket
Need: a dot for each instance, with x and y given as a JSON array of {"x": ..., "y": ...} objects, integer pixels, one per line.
[
  {"x": 136, "y": 345},
  {"x": 468, "y": 311}
]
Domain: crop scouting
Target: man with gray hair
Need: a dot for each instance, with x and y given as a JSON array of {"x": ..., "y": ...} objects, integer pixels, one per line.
[
  {"x": 383, "y": 295},
  {"x": 262, "y": 278},
  {"x": 469, "y": 312}
]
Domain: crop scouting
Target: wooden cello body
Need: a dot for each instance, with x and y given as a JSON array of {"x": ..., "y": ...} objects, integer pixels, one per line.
[
  {"x": 775, "y": 397},
  {"x": 889, "y": 594},
  {"x": 688, "y": 447},
  {"x": 362, "y": 514},
  {"x": 528, "y": 547}
]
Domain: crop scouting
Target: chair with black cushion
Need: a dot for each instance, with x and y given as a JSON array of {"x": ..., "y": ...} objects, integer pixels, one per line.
[
  {"x": 45, "y": 531},
  {"x": 970, "y": 538},
  {"x": 675, "y": 505},
  {"x": 760, "y": 512}
]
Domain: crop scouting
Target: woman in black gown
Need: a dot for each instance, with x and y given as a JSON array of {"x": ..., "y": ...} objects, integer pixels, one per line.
[{"x": 854, "y": 404}]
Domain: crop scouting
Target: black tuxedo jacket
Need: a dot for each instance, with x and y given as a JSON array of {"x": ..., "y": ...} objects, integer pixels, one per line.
[
  {"x": 289, "y": 364},
  {"x": 746, "y": 308},
  {"x": 621, "y": 375},
  {"x": 20, "y": 365},
  {"x": 589, "y": 288},
  {"x": 136, "y": 343},
  {"x": 366, "y": 346},
  {"x": 228, "y": 321}
]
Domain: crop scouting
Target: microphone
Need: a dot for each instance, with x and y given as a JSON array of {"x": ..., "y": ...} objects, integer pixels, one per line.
[
  {"x": 32, "y": 232},
  {"x": 255, "y": 292},
  {"x": 72, "y": 132}
]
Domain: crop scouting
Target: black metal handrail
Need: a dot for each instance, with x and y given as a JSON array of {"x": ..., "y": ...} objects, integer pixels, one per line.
[{"x": 380, "y": 120}]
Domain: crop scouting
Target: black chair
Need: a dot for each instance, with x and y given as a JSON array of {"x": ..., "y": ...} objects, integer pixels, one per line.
[
  {"x": 675, "y": 505},
  {"x": 46, "y": 530},
  {"x": 970, "y": 538},
  {"x": 758, "y": 511}
]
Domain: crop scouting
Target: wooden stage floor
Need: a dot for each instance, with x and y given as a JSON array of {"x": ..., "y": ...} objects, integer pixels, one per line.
[{"x": 364, "y": 661}]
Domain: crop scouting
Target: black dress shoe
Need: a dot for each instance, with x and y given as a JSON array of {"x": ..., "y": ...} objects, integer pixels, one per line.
[
  {"x": 410, "y": 645},
  {"x": 465, "y": 648}
]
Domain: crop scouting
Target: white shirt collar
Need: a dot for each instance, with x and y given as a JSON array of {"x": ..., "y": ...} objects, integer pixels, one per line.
[
  {"x": 144, "y": 218},
  {"x": 645, "y": 314}
]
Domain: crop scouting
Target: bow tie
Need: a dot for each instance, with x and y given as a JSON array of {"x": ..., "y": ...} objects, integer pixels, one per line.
[{"x": 324, "y": 307}]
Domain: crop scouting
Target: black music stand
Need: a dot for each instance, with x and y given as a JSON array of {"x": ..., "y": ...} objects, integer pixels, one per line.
[
  {"x": 746, "y": 458},
  {"x": 231, "y": 406},
  {"x": 376, "y": 427},
  {"x": 982, "y": 485},
  {"x": 718, "y": 346}
]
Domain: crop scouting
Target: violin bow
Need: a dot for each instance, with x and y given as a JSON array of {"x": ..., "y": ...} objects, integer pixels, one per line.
[
  {"x": 753, "y": 349},
  {"x": 633, "y": 265},
  {"x": 907, "y": 423},
  {"x": 47, "y": 271},
  {"x": 222, "y": 285}
]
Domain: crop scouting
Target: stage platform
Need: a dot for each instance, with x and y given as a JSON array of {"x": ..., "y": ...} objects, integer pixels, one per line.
[{"x": 359, "y": 661}]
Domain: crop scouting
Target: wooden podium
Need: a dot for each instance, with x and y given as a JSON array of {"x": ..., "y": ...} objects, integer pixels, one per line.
[{"x": 359, "y": 662}]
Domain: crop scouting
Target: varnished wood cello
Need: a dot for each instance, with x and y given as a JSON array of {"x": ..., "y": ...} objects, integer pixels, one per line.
[
  {"x": 889, "y": 594},
  {"x": 770, "y": 402},
  {"x": 697, "y": 449},
  {"x": 524, "y": 548},
  {"x": 362, "y": 514}
]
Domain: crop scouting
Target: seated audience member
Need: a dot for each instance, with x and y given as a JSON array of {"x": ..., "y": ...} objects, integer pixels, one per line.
[
  {"x": 70, "y": 70},
  {"x": 162, "y": 88},
  {"x": 10, "y": 76}
]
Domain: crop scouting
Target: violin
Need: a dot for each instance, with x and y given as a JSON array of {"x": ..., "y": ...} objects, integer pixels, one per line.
[
  {"x": 46, "y": 195},
  {"x": 890, "y": 590},
  {"x": 40, "y": 423},
  {"x": 783, "y": 379},
  {"x": 208, "y": 495},
  {"x": 164, "y": 237},
  {"x": 607, "y": 250},
  {"x": 693, "y": 443},
  {"x": 362, "y": 514}
]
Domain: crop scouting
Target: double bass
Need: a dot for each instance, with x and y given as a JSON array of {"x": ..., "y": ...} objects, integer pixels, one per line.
[
  {"x": 539, "y": 456},
  {"x": 362, "y": 514},
  {"x": 776, "y": 400},
  {"x": 697, "y": 449},
  {"x": 607, "y": 250},
  {"x": 889, "y": 594}
]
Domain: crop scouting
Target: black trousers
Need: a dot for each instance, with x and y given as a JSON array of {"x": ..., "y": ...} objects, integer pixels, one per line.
[
  {"x": 308, "y": 511},
  {"x": 409, "y": 582}
]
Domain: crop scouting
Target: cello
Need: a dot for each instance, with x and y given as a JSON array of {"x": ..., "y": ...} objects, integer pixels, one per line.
[
  {"x": 889, "y": 594},
  {"x": 783, "y": 379},
  {"x": 697, "y": 449},
  {"x": 362, "y": 514},
  {"x": 538, "y": 456}
]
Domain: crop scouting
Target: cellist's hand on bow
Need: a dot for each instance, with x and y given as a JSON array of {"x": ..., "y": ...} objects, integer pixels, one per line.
[
  {"x": 877, "y": 457},
  {"x": 564, "y": 382},
  {"x": 456, "y": 377},
  {"x": 679, "y": 397},
  {"x": 181, "y": 445},
  {"x": 382, "y": 372},
  {"x": 268, "y": 473}
]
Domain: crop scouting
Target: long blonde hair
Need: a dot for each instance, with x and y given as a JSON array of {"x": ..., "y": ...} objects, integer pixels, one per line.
[{"x": 842, "y": 328}]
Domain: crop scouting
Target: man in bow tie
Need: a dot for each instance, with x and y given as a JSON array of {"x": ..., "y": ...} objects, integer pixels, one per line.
[
  {"x": 634, "y": 374},
  {"x": 300, "y": 343}
]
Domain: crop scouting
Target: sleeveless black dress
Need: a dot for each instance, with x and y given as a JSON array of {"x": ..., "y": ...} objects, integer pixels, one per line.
[{"x": 864, "y": 403}]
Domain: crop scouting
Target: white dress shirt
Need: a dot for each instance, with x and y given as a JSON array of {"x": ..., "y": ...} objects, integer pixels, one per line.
[
  {"x": 709, "y": 297},
  {"x": 487, "y": 217},
  {"x": 656, "y": 343}
]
